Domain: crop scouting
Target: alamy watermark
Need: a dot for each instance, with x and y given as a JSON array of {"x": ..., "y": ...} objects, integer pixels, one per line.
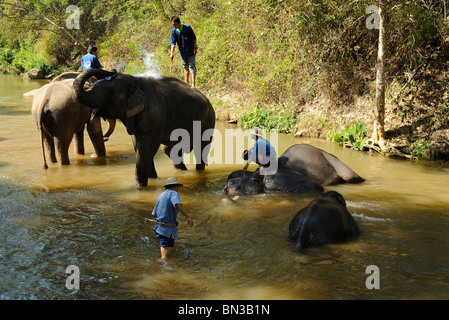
[
  {"x": 373, "y": 21},
  {"x": 73, "y": 280},
  {"x": 72, "y": 21},
  {"x": 373, "y": 281},
  {"x": 225, "y": 149}
]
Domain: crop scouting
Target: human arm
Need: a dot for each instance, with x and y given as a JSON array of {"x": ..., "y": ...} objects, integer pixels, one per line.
[
  {"x": 247, "y": 165},
  {"x": 181, "y": 209},
  {"x": 172, "y": 52},
  {"x": 195, "y": 47},
  {"x": 172, "y": 43},
  {"x": 97, "y": 64}
]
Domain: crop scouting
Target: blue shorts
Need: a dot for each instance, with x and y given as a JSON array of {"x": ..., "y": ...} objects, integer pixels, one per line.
[{"x": 164, "y": 241}]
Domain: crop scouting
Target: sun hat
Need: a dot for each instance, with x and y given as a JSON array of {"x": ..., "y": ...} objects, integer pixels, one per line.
[
  {"x": 256, "y": 131},
  {"x": 172, "y": 181}
]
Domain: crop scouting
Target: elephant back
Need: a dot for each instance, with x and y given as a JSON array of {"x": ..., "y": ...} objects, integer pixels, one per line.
[
  {"x": 318, "y": 165},
  {"x": 323, "y": 221}
]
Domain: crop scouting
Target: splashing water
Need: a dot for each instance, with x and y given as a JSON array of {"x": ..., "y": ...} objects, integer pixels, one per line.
[
  {"x": 121, "y": 65},
  {"x": 151, "y": 65}
]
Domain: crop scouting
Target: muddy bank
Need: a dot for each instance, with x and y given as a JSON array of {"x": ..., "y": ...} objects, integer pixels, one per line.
[{"x": 414, "y": 127}]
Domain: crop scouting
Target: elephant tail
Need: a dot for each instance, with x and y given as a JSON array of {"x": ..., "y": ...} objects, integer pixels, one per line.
[{"x": 41, "y": 131}]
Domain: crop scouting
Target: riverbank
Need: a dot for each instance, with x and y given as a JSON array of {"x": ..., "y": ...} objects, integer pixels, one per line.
[
  {"x": 416, "y": 133},
  {"x": 416, "y": 114}
]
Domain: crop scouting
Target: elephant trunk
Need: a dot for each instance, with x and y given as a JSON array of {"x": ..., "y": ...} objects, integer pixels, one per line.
[
  {"x": 88, "y": 98},
  {"x": 110, "y": 130}
]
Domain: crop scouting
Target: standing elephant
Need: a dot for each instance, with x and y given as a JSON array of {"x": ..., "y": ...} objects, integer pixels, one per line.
[
  {"x": 153, "y": 110},
  {"x": 318, "y": 165},
  {"x": 325, "y": 220},
  {"x": 60, "y": 118}
]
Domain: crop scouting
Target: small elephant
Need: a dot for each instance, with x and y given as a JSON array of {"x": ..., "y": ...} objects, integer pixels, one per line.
[
  {"x": 242, "y": 182},
  {"x": 325, "y": 220},
  {"x": 155, "y": 111},
  {"x": 60, "y": 118},
  {"x": 318, "y": 165}
]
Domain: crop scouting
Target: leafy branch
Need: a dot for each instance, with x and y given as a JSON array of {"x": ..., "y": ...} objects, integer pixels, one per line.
[{"x": 18, "y": 10}]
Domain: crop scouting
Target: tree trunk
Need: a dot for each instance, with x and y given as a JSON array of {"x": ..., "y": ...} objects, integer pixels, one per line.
[
  {"x": 378, "y": 137},
  {"x": 444, "y": 10}
]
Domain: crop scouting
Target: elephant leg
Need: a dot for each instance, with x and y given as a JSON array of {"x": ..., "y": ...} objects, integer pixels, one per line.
[
  {"x": 78, "y": 138},
  {"x": 96, "y": 136},
  {"x": 202, "y": 153},
  {"x": 179, "y": 162},
  {"x": 62, "y": 146},
  {"x": 49, "y": 146},
  {"x": 145, "y": 151}
]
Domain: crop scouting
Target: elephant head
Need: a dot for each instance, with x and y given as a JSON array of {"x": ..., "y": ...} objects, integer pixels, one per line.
[
  {"x": 115, "y": 95},
  {"x": 243, "y": 182}
]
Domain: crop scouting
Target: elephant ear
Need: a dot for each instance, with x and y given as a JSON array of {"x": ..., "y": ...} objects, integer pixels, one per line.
[{"x": 136, "y": 103}]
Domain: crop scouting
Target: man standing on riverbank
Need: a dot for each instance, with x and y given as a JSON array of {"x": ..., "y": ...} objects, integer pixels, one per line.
[
  {"x": 183, "y": 35},
  {"x": 166, "y": 210}
]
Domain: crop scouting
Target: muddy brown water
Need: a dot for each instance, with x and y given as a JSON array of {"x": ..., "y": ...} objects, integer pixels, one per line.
[{"x": 91, "y": 215}]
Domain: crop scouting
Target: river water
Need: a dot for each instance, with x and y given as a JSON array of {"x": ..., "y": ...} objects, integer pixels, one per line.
[{"x": 91, "y": 215}]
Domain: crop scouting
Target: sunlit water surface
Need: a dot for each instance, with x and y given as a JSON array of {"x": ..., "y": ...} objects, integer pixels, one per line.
[{"x": 92, "y": 215}]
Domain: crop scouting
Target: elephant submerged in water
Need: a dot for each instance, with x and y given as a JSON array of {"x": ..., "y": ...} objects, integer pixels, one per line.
[
  {"x": 60, "y": 118},
  {"x": 242, "y": 182},
  {"x": 155, "y": 111},
  {"x": 301, "y": 168},
  {"x": 325, "y": 220}
]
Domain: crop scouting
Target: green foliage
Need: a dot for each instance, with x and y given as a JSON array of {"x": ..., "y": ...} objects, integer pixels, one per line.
[
  {"x": 268, "y": 119},
  {"x": 353, "y": 135},
  {"x": 421, "y": 147},
  {"x": 24, "y": 59}
]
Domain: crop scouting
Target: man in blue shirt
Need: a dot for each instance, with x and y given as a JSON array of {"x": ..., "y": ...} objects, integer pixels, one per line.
[
  {"x": 184, "y": 37},
  {"x": 166, "y": 210},
  {"x": 90, "y": 60},
  {"x": 263, "y": 153}
]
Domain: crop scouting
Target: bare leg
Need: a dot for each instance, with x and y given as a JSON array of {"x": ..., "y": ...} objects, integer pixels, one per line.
[
  {"x": 186, "y": 75},
  {"x": 193, "y": 80},
  {"x": 166, "y": 252}
]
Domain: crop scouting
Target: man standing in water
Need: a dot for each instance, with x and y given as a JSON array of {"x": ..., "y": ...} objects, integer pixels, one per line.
[
  {"x": 183, "y": 35},
  {"x": 166, "y": 210}
]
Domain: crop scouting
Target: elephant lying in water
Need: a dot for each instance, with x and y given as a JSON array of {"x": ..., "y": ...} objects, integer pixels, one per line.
[
  {"x": 302, "y": 168},
  {"x": 60, "y": 118},
  {"x": 318, "y": 165},
  {"x": 325, "y": 220},
  {"x": 244, "y": 182}
]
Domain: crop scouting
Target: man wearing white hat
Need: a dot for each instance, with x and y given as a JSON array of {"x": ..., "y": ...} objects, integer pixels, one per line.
[{"x": 166, "y": 210}]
